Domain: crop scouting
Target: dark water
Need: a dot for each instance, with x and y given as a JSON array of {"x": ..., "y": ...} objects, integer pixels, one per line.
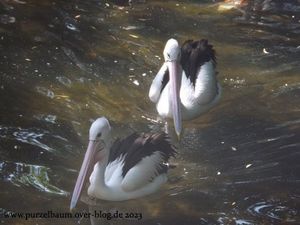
[{"x": 64, "y": 63}]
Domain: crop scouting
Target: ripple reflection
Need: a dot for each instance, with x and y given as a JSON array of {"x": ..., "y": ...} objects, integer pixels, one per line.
[
  {"x": 22, "y": 174},
  {"x": 273, "y": 210}
]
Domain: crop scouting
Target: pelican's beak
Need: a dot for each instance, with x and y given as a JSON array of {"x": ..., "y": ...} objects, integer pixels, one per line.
[
  {"x": 85, "y": 171},
  {"x": 175, "y": 82}
]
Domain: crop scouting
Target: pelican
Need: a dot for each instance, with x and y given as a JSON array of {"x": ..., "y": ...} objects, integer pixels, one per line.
[
  {"x": 126, "y": 169},
  {"x": 186, "y": 85}
]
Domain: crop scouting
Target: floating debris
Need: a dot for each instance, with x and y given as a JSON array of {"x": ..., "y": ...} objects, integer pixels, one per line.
[
  {"x": 218, "y": 173},
  {"x": 265, "y": 51},
  {"x": 130, "y": 28},
  {"x": 233, "y": 148},
  {"x": 248, "y": 165},
  {"x": 62, "y": 96},
  {"x": 134, "y": 36},
  {"x": 136, "y": 82},
  {"x": 71, "y": 27}
]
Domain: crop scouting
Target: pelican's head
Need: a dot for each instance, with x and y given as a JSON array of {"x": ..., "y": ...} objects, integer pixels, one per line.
[
  {"x": 172, "y": 51},
  {"x": 172, "y": 55},
  {"x": 100, "y": 131},
  {"x": 99, "y": 141}
]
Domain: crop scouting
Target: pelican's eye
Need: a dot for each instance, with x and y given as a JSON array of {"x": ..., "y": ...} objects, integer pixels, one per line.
[{"x": 99, "y": 135}]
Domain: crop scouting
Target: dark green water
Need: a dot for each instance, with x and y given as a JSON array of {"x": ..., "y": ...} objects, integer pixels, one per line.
[{"x": 65, "y": 63}]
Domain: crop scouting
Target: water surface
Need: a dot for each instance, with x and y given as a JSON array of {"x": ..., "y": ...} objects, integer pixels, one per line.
[{"x": 63, "y": 64}]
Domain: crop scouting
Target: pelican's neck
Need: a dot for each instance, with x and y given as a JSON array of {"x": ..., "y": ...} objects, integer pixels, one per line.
[
  {"x": 100, "y": 171},
  {"x": 97, "y": 178}
]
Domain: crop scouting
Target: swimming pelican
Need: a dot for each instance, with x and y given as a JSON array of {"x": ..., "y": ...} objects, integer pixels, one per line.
[
  {"x": 186, "y": 85},
  {"x": 126, "y": 169}
]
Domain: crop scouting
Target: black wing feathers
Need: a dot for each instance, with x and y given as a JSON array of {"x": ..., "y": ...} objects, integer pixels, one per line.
[
  {"x": 136, "y": 147},
  {"x": 193, "y": 55}
]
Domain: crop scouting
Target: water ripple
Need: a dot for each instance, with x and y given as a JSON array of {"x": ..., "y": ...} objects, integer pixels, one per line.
[
  {"x": 46, "y": 92},
  {"x": 275, "y": 138},
  {"x": 284, "y": 124},
  {"x": 64, "y": 80},
  {"x": 22, "y": 174},
  {"x": 273, "y": 210},
  {"x": 243, "y": 222},
  {"x": 286, "y": 89},
  {"x": 257, "y": 180},
  {"x": 32, "y": 136},
  {"x": 47, "y": 118}
]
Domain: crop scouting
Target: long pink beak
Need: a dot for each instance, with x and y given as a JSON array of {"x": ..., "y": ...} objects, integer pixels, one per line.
[
  {"x": 175, "y": 82},
  {"x": 85, "y": 171}
]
